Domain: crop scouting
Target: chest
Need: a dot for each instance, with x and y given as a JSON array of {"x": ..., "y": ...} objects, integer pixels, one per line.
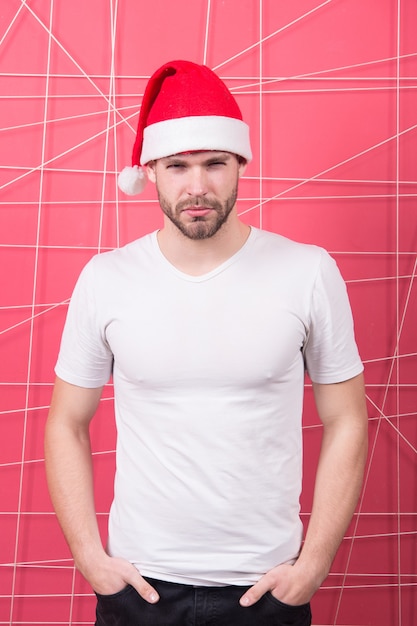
[{"x": 207, "y": 334}]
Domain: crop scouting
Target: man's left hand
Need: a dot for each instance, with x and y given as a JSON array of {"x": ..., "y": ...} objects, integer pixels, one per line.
[{"x": 286, "y": 583}]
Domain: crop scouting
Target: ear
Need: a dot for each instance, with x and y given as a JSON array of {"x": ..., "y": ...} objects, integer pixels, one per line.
[
  {"x": 242, "y": 166},
  {"x": 150, "y": 170}
]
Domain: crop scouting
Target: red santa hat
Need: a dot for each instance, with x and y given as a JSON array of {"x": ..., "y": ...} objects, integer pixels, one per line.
[{"x": 186, "y": 107}]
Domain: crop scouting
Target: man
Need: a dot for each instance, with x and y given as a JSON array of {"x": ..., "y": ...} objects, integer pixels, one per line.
[{"x": 207, "y": 327}]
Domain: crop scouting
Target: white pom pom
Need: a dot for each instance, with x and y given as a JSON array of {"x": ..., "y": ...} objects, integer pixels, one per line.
[{"x": 132, "y": 180}]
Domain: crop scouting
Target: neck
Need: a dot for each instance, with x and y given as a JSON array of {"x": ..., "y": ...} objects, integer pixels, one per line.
[{"x": 200, "y": 256}]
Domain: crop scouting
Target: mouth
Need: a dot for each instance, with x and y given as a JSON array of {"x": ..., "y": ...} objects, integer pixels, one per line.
[{"x": 197, "y": 211}]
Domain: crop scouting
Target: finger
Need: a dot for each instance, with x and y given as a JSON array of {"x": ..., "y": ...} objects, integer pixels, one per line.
[
  {"x": 144, "y": 589},
  {"x": 255, "y": 593}
]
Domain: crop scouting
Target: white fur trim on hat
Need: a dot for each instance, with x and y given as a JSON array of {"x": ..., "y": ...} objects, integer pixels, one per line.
[
  {"x": 132, "y": 180},
  {"x": 201, "y": 132}
]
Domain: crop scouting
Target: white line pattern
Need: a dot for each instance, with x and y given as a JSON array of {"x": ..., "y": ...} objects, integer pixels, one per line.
[{"x": 53, "y": 121}]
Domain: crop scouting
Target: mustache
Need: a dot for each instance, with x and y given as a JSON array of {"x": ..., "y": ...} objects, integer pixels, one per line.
[{"x": 198, "y": 202}]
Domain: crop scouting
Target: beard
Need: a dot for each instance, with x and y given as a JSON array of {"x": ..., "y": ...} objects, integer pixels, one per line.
[{"x": 199, "y": 227}]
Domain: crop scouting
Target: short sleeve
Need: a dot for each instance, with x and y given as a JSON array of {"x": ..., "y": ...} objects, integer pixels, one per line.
[
  {"x": 330, "y": 352},
  {"x": 85, "y": 358}
]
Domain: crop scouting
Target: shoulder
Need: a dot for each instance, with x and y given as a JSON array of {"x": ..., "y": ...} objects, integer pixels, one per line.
[
  {"x": 133, "y": 254},
  {"x": 277, "y": 248},
  {"x": 110, "y": 271}
]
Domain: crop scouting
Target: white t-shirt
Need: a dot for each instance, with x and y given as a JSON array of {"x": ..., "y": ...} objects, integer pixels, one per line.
[{"x": 208, "y": 377}]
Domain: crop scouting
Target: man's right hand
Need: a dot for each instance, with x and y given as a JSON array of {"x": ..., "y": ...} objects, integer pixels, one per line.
[{"x": 110, "y": 575}]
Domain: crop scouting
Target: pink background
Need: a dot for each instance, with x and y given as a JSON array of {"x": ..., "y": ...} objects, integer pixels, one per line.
[{"x": 329, "y": 89}]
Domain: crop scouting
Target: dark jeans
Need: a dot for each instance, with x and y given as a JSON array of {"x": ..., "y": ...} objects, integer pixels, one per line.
[{"x": 187, "y": 605}]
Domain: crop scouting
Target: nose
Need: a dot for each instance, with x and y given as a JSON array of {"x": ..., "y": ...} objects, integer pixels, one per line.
[{"x": 197, "y": 182}]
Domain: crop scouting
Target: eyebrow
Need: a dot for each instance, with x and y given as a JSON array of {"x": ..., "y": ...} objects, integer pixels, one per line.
[
  {"x": 180, "y": 158},
  {"x": 219, "y": 156}
]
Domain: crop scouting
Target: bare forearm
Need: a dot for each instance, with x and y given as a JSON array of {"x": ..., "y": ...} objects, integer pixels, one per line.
[
  {"x": 70, "y": 480},
  {"x": 337, "y": 488}
]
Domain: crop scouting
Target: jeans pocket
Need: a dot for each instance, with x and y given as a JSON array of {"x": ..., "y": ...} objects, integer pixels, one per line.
[
  {"x": 113, "y": 609},
  {"x": 292, "y": 615},
  {"x": 114, "y": 596}
]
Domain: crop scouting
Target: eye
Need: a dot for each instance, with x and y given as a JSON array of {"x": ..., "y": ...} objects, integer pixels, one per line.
[
  {"x": 174, "y": 166},
  {"x": 218, "y": 163}
]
